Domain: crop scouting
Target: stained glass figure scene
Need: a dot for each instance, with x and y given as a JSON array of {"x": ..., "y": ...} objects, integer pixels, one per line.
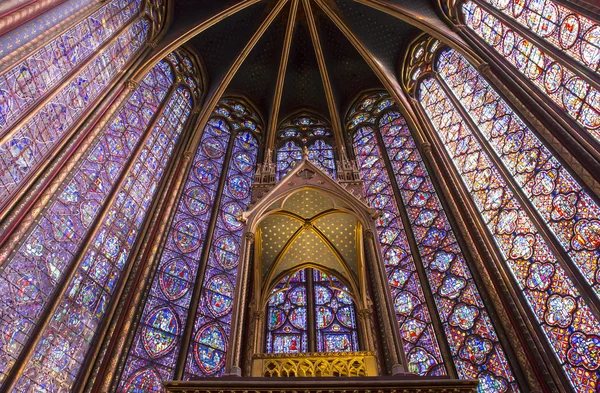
[
  {"x": 564, "y": 316},
  {"x": 329, "y": 309},
  {"x": 158, "y": 340},
  {"x": 457, "y": 299},
  {"x": 305, "y": 132}
]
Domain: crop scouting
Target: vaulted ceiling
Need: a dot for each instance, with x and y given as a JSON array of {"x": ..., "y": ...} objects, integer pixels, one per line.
[
  {"x": 309, "y": 227},
  {"x": 303, "y": 59}
]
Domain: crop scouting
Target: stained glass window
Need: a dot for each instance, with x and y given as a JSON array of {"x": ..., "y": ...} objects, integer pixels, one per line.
[
  {"x": 207, "y": 352},
  {"x": 22, "y": 150},
  {"x": 556, "y": 80},
  {"x": 334, "y": 315},
  {"x": 287, "y": 316},
  {"x": 51, "y": 246},
  {"x": 13, "y": 40},
  {"x": 565, "y": 29},
  {"x": 470, "y": 334},
  {"x": 288, "y": 155},
  {"x": 334, "y": 318},
  {"x": 562, "y": 203},
  {"x": 305, "y": 132},
  {"x": 562, "y": 314},
  {"x": 157, "y": 342},
  {"x": 414, "y": 320},
  {"x": 72, "y": 328}
]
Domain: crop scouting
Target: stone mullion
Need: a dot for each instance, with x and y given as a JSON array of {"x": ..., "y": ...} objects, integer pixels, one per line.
[
  {"x": 311, "y": 323},
  {"x": 203, "y": 263},
  {"x": 127, "y": 309},
  {"x": 417, "y": 260},
  {"x": 233, "y": 365},
  {"x": 553, "y": 243},
  {"x": 77, "y": 131},
  {"x": 391, "y": 341},
  {"x": 507, "y": 283},
  {"x": 477, "y": 251},
  {"x": 69, "y": 273},
  {"x": 14, "y": 18}
]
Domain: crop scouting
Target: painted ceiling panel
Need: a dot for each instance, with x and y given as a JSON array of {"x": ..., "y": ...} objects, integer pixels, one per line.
[
  {"x": 308, "y": 203},
  {"x": 340, "y": 229},
  {"x": 308, "y": 247},
  {"x": 276, "y": 231}
]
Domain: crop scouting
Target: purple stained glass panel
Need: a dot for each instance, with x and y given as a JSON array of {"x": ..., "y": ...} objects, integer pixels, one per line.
[
  {"x": 54, "y": 366},
  {"x": 208, "y": 349},
  {"x": 471, "y": 336},
  {"x": 23, "y": 85},
  {"x": 40, "y": 260},
  {"x": 157, "y": 342},
  {"x": 23, "y": 152},
  {"x": 557, "y": 81},
  {"x": 287, "y": 316},
  {"x": 335, "y": 315},
  {"x": 414, "y": 321}
]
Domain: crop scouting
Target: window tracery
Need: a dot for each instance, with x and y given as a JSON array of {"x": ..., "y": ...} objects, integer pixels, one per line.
[
  {"x": 562, "y": 313},
  {"x": 576, "y": 35},
  {"x": 305, "y": 131},
  {"x": 470, "y": 334},
  {"x": 43, "y": 258},
  {"x": 414, "y": 320},
  {"x": 25, "y": 85},
  {"x": 554, "y": 77},
  {"x": 333, "y": 315},
  {"x": 158, "y": 339}
]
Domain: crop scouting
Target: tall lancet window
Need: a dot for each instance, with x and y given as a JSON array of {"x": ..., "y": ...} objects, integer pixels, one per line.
[
  {"x": 332, "y": 315},
  {"x": 544, "y": 58},
  {"x": 404, "y": 193},
  {"x": 70, "y": 261},
  {"x": 531, "y": 204},
  {"x": 45, "y": 96},
  {"x": 195, "y": 280},
  {"x": 305, "y": 132}
]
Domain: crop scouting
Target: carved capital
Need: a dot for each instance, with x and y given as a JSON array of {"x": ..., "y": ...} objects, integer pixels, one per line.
[
  {"x": 370, "y": 234},
  {"x": 250, "y": 237},
  {"x": 131, "y": 84},
  {"x": 426, "y": 148},
  {"x": 458, "y": 27},
  {"x": 187, "y": 155},
  {"x": 484, "y": 68},
  {"x": 365, "y": 313},
  {"x": 152, "y": 44}
]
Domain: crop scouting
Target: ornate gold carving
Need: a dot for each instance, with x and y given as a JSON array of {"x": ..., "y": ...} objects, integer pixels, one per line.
[
  {"x": 327, "y": 364},
  {"x": 131, "y": 84}
]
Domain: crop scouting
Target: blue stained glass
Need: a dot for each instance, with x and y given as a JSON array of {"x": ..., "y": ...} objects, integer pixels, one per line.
[
  {"x": 23, "y": 152},
  {"x": 156, "y": 345},
  {"x": 305, "y": 132},
  {"x": 208, "y": 350},
  {"x": 51, "y": 243},
  {"x": 105, "y": 261},
  {"x": 287, "y": 330},
  {"x": 335, "y": 315},
  {"x": 414, "y": 321}
]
